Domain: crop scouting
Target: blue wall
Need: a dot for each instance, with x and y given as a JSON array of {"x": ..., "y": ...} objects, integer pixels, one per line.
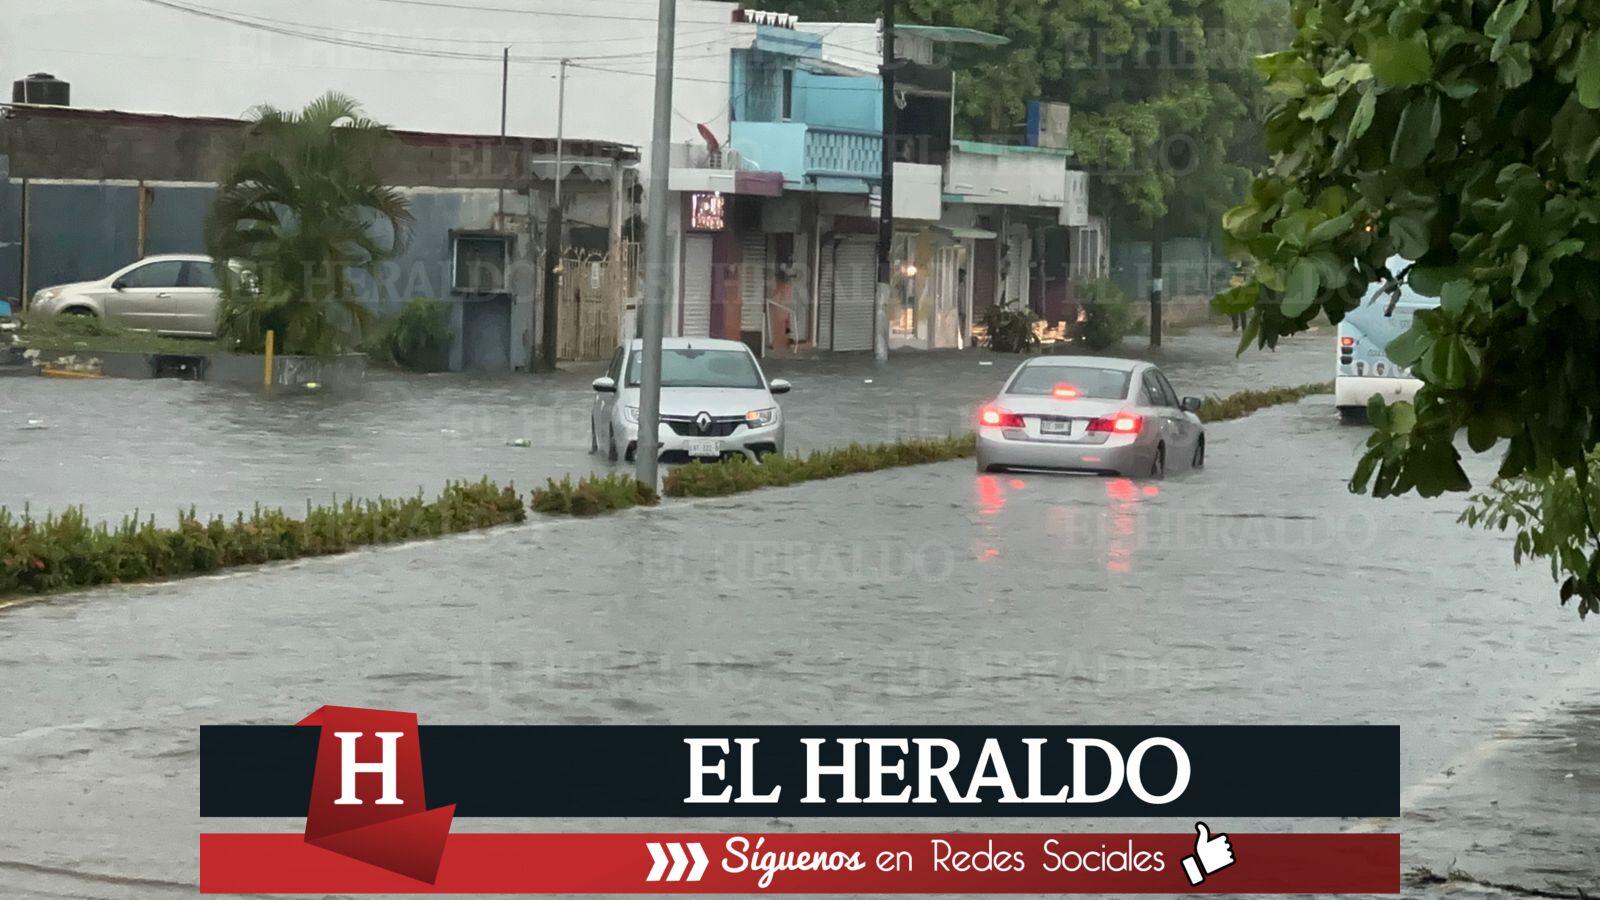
[
  {"x": 81, "y": 232},
  {"x": 838, "y": 101},
  {"x": 176, "y": 220},
  {"x": 10, "y": 241}
]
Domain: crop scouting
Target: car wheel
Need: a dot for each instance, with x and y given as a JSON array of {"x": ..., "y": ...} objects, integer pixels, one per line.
[
  {"x": 78, "y": 311},
  {"x": 1200, "y": 454},
  {"x": 611, "y": 445},
  {"x": 1158, "y": 466}
]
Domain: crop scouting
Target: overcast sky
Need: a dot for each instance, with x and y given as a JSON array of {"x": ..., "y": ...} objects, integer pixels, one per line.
[{"x": 147, "y": 56}]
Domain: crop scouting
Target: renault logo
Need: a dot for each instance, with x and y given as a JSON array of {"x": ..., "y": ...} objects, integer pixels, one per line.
[{"x": 703, "y": 422}]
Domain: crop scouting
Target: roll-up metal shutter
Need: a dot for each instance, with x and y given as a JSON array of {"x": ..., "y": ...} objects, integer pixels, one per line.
[
  {"x": 753, "y": 283},
  {"x": 855, "y": 286},
  {"x": 697, "y": 286}
]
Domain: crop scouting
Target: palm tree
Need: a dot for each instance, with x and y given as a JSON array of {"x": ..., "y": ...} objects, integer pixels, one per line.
[{"x": 303, "y": 210}]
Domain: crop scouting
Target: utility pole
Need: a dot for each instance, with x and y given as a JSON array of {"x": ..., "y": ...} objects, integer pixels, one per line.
[
  {"x": 880, "y": 306},
  {"x": 552, "y": 233},
  {"x": 1157, "y": 238},
  {"x": 657, "y": 287}
]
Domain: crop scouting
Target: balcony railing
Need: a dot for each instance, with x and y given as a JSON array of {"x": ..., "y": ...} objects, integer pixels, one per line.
[
  {"x": 840, "y": 153},
  {"x": 805, "y": 153}
]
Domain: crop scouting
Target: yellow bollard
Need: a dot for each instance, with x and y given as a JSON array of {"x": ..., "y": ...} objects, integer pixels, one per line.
[{"x": 266, "y": 369}]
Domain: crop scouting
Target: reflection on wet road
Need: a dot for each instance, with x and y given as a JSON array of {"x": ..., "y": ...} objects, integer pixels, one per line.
[{"x": 1257, "y": 591}]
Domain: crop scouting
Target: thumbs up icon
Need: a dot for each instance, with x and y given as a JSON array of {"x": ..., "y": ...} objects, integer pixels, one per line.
[{"x": 1211, "y": 854}]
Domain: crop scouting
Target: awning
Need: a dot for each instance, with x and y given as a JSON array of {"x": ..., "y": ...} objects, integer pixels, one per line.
[
  {"x": 962, "y": 233},
  {"x": 951, "y": 35}
]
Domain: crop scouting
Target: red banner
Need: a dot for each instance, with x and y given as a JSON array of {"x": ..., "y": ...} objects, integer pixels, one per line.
[{"x": 822, "y": 863}]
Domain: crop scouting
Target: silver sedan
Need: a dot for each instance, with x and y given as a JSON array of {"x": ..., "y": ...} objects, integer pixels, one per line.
[{"x": 1090, "y": 414}]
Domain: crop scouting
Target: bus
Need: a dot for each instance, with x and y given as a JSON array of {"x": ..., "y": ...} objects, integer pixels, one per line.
[{"x": 1364, "y": 369}]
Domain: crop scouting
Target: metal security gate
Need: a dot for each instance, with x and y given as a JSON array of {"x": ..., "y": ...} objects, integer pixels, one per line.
[
  {"x": 847, "y": 287},
  {"x": 753, "y": 284},
  {"x": 696, "y": 316}
]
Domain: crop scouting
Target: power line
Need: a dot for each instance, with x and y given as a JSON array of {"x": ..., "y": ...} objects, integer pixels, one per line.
[
  {"x": 495, "y": 41},
  {"x": 440, "y": 4},
  {"x": 292, "y": 32}
]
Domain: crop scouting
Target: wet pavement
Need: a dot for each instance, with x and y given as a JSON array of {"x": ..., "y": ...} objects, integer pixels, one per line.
[
  {"x": 1258, "y": 591},
  {"x": 116, "y": 447}
]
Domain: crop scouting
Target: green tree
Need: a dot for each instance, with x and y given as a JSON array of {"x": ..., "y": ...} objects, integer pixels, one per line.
[
  {"x": 1464, "y": 137},
  {"x": 1166, "y": 105},
  {"x": 304, "y": 209}
]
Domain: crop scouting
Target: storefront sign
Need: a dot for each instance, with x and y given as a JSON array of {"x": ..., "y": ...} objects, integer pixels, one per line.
[{"x": 707, "y": 212}]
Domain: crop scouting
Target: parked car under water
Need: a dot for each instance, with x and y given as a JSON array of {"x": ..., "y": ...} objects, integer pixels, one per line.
[{"x": 172, "y": 295}]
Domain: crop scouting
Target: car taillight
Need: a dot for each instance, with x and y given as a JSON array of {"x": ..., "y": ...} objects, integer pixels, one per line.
[
  {"x": 998, "y": 418},
  {"x": 1121, "y": 423},
  {"x": 1347, "y": 341}
]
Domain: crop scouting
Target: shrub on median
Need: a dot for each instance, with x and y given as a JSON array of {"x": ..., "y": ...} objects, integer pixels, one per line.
[
  {"x": 737, "y": 475},
  {"x": 1236, "y": 406},
  {"x": 64, "y": 551},
  {"x": 592, "y": 496}
]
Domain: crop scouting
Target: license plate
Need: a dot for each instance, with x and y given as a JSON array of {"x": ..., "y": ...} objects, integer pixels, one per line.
[
  {"x": 1047, "y": 426},
  {"x": 705, "y": 448}
]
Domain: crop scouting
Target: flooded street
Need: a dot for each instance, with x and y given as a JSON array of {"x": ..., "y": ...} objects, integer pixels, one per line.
[
  {"x": 116, "y": 447},
  {"x": 1258, "y": 591}
]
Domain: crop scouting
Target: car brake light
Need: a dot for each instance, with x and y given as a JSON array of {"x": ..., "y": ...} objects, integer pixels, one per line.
[
  {"x": 1121, "y": 423},
  {"x": 998, "y": 418},
  {"x": 1347, "y": 341},
  {"x": 1064, "y": 392}
]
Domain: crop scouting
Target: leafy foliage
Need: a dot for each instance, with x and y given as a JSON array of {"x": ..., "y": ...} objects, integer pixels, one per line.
[
  {"x": 65, "y": 551},
  {"x": 1465, "y": 138},
  {"x": 592, "y": 496},
  {"x": 70, "y": 332},
  {"x": 1551, "y": 517},
  {"x": 737, "y": 475},
  {"x": 305, "y": 209},
  {"x": 418, "y": 339},
  {"x": 1010, "y": 329},
  {"x": 1243, "y": 403},
  {"x": 1107, "y": 314}
]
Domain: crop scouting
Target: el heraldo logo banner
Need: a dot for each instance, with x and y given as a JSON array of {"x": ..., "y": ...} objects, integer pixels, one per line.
[{"x": 379, "y": 794}]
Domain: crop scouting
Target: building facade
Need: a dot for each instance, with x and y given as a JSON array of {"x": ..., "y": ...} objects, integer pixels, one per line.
[{"x": 92, "y": 191}]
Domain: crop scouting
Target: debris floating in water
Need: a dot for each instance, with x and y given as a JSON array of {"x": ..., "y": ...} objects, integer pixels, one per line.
[
  {"x": 866, "y": 381},
  {"x": 519, "y": 442},
  {"x": 34, "y": 425},
  {"x": 312, "y": 385},
  {"x": 987, "y": 362}
]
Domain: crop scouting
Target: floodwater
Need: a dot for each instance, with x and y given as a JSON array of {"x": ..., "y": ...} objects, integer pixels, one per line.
[
  {"x": 117, "y": 447},
  {"x": 1257, "y": 591}
]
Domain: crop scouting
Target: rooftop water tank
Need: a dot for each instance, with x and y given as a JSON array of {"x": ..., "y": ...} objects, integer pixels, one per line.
[{"x": 42, "y": 88}]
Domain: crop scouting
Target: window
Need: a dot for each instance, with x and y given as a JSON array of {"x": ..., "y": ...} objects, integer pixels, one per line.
[
  {"x": 1151, "y": 395},
  {"x": 1090, "y": 383},
  {"x": 199, "y": 275},
  {"x": 1167, "y": 392},
  {"x": 788, "y": 94},
  {"x": 614, "y": 371},
  {"x": 164, "y": 274},
  {"x": 481, "y": 263},
  {"x": 701, "y": 368}
]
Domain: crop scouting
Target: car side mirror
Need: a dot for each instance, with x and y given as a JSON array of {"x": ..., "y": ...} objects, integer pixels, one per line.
[
  {"x": 1191, "y": 405},
  {"x": 779, "y": 386},
  {"x": 605, "y": 385},
  {"x": 119, "y": 285}
]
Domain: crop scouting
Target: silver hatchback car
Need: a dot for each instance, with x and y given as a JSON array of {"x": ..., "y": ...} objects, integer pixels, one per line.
[
  {"x": 715, "y": 403},
  {"x": 1090, "y": 414},
  {"x": 176, "y": 295}
]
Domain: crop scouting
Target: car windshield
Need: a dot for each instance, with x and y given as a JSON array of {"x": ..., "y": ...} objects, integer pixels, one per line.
[
  {"x": 1090, "y": 382},
  {"x": 701, "y": 368}
]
